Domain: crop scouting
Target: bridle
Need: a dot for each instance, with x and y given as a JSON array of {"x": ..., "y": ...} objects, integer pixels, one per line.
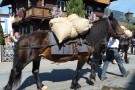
[{"x": 111, "y": 30}]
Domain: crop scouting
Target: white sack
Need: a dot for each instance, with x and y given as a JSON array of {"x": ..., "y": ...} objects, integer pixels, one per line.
[
  {"x": 123, "y": 27},
  {"x": 73, "y": 33},
  {"x": 57, "y": 20},
  {"x": 128, "y": 33},
  {"x": 73, "y": 17},
  {"x": 61, "y": 27},
  {"x": 81, "y": 25}
]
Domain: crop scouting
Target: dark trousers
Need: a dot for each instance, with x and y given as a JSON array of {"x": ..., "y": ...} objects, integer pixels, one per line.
[
  {"x": 132, "y": 49},
  {"x": 110, "y": 55}
]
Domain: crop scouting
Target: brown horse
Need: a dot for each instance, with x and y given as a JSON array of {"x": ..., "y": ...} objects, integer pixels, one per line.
[{"x": 32, "y": 46}]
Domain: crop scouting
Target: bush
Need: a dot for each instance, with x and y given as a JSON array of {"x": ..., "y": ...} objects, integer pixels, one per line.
[
  {"x": 130, "y": 27},
  {"x": 2, "y": 42},
  {"x": 75, "y": 7}
]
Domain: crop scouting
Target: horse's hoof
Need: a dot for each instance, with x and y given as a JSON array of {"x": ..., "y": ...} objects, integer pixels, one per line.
[
  {"x": 76, "y": 87},
  {"x": 114, "y": 62},
  {"x": 44, "y": 88},
  {"x": 92, "y": 77}
]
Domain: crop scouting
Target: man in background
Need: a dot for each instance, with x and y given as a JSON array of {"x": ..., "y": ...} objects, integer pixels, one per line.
[{"x": 14, "y": 39}]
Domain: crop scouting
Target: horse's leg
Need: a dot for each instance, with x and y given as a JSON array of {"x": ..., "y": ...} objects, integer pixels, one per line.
[
  {"x": 35, "y": 71},
  {"x": 125, "y": 57},
  {"x": 132, "y": 49},
  {"x": 16, "y": 71},
  {"x": 92, "y": 63},
  {"x": 15, "y": 75},
  {"x": 75, "y": 85},
  {"x": 100, "y": 59}
]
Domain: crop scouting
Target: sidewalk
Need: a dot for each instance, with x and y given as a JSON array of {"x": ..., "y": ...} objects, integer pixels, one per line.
[
  {"x": 44, "y": 64},
  {"x": 54, "y": 75}
]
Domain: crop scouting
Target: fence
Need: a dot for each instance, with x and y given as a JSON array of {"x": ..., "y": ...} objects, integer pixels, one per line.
[{"x": 6, "y": 53}]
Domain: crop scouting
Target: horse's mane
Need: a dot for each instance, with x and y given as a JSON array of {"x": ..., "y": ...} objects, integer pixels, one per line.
[
  {"x": 97, "y": 32},
  {"x": 114, "y": 23}
]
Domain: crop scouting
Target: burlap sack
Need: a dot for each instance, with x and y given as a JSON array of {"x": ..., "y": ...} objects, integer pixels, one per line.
[
  {"x": 62, "y": 28},
  {"x": 57, "y": 20},
  {"x": 128, "y": 33},
  {"x": 69, "y": 27},
  {"x": 81, "y": 25},
  {"x": 73, "y": 33},
  {"x": 123, "y": 27},
  {"x": 73, "y": 17}
]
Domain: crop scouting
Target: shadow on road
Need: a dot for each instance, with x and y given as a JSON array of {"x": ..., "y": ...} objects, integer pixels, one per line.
[
  {"x": 57, "y": 75},
  {"x": 131, "y": 84}
]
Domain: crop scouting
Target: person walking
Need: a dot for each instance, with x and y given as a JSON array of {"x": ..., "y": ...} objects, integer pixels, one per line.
[
  {"x": 112, "y": 53},
  {"x": 14, "y": 39},
  {"x": 133, "y": 45}
]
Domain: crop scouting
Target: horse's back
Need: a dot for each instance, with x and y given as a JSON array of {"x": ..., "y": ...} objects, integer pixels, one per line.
[{"x": 35, "y": 38}]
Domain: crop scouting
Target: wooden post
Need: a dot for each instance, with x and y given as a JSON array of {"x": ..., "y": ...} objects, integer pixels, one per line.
[{"x": 42, "y": 2}]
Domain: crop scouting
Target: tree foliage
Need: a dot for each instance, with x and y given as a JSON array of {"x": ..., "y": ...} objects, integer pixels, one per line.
[
  {"x": 2, "y": 42},
  {"x": 130, "y": 27},
  {"x": 75, "y": 7}
]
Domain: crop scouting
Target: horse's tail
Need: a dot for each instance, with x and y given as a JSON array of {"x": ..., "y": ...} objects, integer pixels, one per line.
[
  {"x": 14, "y": 79},
  {"x": 17, "y": 78},
  {"x": 16, "y": 72},
  {"x": 17, "y": 69}
]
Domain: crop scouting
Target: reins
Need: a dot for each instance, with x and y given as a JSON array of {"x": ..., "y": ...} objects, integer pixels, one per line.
[
  {"x": 34, "y": 46},
  {"x": 111, "y": 29}
]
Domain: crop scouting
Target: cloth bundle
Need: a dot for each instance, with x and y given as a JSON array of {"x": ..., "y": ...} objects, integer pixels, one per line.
[
  {"x": 69, "y": 27},
  {"x": 127, "y": 32}
]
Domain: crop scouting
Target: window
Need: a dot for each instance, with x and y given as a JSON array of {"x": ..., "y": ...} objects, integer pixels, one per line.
[
  {"x": 89, "y": 9},
  {"x": 31, "y": 28},
  {"x": 26, "y": 30},
  {"x": 61, "y": 5},
  {"x": 20, "y": 31},
  {"x": 23, "y": 31},
  {"x": 98, "y": 8}
]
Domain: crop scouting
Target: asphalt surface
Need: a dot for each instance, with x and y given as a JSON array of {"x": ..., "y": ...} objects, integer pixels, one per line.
[{"x": 59, "y": 76}]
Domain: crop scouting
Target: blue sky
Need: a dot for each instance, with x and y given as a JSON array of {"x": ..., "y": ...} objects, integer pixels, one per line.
[
  {"x": 4, "y": 9},
  {"x": 123, "y": 5},
  {"x": 120, "y": 5}
]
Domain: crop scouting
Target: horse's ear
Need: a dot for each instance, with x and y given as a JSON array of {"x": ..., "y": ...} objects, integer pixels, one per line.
[{"x": 111, "y": 15}]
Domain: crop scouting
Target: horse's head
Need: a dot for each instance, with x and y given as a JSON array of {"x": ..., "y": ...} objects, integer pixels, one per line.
[{"x": 115, "y": 29}]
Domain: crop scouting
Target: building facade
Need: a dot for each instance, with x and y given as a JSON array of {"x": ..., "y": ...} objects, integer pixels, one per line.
[
  {"x": 6, "y": 23},
  {"x": 31, "y": 15}
]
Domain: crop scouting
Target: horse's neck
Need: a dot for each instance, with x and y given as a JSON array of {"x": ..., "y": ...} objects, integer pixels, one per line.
[{"x": 98, "y": 32}]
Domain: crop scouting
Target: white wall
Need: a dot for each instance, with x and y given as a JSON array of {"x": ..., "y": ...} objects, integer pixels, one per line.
[{"x": 7, "y": 24}]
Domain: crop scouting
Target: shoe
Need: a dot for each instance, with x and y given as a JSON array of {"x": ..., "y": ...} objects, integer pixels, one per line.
[
  {"x": 126, "y": 74},
  {"x": 114, "y": 62},
  {"x": 103, "y": 78}
]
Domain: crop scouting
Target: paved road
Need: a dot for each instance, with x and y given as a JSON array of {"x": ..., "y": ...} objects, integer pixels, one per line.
[{"x": 58, "y": 76}]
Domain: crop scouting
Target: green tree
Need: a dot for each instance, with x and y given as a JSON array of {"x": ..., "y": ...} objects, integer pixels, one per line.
[
  {"x": 75, "y": 7},
  {"x": 2, "y": 42}
]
